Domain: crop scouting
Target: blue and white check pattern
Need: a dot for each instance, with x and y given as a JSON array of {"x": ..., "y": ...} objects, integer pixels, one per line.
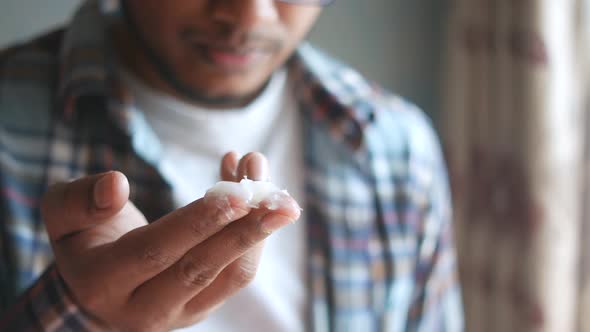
[{"x": 380, "y": 245}]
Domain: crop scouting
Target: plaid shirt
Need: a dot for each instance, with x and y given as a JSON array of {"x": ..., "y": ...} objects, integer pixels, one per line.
[{"x": 380, "y": 249}]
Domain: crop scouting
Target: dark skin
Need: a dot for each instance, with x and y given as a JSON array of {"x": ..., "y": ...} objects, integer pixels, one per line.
[
  {"x": 214, "y": 53},
  {"x": 220, "y": 54}
]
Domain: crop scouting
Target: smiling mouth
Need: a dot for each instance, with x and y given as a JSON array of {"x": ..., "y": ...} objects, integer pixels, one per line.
[{"x": 229, "y": 59}]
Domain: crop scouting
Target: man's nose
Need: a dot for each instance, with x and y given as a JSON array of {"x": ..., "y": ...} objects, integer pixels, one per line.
[{"x": 245, "y": 13}]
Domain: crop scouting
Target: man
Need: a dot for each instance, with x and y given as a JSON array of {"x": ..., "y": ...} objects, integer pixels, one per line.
[{"x": 161, "y": 92}]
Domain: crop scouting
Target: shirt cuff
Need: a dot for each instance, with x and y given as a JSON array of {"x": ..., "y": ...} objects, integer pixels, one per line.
[{"x": 47, "y": 306}]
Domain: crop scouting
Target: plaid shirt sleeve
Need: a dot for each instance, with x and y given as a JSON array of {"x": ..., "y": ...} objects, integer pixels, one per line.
[
  {"x": 46, "y": 306},
  {"x": 420, "y": 283},
  {"x": 437, "y": 304}
]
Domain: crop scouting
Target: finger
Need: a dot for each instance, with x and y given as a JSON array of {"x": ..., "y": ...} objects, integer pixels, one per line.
[
  {"x": 234, "y": 277},
  {"x": 254, "y": 166},
  {"x": 149, "y": 250},
  {"x": 68, "y": 208},
  {"x": 201, "y": 265},
  {"x": 229, "y": 165}
]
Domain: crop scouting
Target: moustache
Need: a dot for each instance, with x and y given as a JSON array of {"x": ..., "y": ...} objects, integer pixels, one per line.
[{"x": 234, "y": 40}]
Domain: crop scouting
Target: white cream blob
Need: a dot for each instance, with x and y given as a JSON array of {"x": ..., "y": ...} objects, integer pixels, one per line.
[{"x": 254, "y": 193}]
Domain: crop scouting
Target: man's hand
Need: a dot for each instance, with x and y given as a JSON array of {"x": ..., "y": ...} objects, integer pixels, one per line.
[{"x": 132, "y": 276}]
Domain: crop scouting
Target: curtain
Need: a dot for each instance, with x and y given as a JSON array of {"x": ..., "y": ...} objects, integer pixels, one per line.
[{"x": 517, "y": 140}]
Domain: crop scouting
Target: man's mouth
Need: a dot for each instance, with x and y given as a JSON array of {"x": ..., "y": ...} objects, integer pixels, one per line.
[{"x": 231, "y": 58}]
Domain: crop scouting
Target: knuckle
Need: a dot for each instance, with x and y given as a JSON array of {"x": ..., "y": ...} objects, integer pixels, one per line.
[
  {"x": 197, "y": 229},
  {"x": 90, "y": 299},
  {"x": 245, "y": 241},
  {"x": 156, "y": 258},
  {"x": 221, "y": 212},
  {"x": 242, "y": 275},
  {"x": 216, "y": 214},
  {"x": 193, "y": 273},
  {"x": 222, "y": 215}
]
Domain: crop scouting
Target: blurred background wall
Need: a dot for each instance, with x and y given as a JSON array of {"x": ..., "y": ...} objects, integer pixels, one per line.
[
  {"x": 394, "y": 42},
  {"x": 20, "y": 19}
]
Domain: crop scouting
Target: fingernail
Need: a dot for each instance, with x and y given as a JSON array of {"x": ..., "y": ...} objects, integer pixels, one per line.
[
  {"x": 103, "y": 190},
  {"x": 257, "y": 169},
  {"x": 273, "y": 221}
]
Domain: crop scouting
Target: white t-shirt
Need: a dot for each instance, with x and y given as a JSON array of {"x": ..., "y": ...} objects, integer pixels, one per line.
[{"x": 194, "y": 139}]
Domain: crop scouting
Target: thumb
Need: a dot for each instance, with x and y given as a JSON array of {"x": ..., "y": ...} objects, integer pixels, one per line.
[{"x": 68, "y": 208}]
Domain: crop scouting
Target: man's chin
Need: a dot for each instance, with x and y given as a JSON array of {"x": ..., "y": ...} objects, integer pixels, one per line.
[
  {"x": 223, "y": 101},
  {"x": 214, "y": 99}
]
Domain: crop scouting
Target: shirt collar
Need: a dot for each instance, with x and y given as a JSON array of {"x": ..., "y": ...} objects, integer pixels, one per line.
[{"x": 328, "y": 92}]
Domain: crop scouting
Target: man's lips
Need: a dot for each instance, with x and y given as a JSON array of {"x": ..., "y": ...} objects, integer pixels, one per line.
[{"x": 228, "y": 58}]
